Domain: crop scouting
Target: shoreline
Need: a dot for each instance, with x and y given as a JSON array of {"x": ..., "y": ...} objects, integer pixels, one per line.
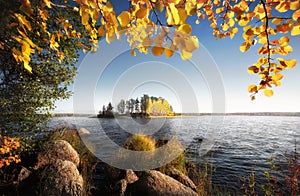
[{"x": 188, "y": 115}]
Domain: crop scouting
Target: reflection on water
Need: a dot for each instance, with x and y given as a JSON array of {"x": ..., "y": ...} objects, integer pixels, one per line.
[{"x": 241, "y": 143}]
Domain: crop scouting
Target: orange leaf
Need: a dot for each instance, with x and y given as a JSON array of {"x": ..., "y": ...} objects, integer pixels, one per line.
[{"x": 283, "y": 28}]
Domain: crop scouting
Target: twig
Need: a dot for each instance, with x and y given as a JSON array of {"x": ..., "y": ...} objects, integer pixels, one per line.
[{"x": 267, "y": 35}]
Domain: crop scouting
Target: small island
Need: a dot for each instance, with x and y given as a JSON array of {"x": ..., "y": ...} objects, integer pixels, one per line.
[{"x": 144, "y": 107}]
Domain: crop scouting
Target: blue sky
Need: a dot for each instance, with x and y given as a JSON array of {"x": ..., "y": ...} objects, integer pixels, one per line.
[{"x": 187, "y": 88}]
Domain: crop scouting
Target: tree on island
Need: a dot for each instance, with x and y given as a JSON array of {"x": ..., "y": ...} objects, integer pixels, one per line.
[
  {"x": 146, "y": 106},
  {"x": 106, "y": 111}
]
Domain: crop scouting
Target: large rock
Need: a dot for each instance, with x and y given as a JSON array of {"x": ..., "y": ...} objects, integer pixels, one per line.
[
  {"x": 57, "y": 149},
  {"x": 156, "y": 183},
  {"x": 83, "y": 132},
  {"x": 130, "y": 176},
  {"x": 61, "y": 178},
  {"x": 179, "y": 176}
]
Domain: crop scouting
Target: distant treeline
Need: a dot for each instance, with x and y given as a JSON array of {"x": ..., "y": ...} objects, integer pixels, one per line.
[{"x": 144, "y": 106}]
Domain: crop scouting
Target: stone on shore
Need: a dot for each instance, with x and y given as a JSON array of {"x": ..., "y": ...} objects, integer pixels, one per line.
[
  {"x": 181, "y": 177},
  {"x": 156, "y": 183},
  {"x": 57, "y": 149},
  {"x": 62, "y": 178},
  {"x": 83, "y": 132}
]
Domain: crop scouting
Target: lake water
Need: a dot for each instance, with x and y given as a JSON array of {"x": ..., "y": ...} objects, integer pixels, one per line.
[{"x": 241, "y": 143}]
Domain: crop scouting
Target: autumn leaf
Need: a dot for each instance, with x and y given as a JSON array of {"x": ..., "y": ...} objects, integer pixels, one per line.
[
  {"x": 23, "y": 21},
  {"x": 276, "y": 77},
  {"x": 157, "y": 51},
  {"x": 124, "y": 18},
  {"x": 101, "y": 31},
  {"x": 296, "y": 15},
  {"x": 185, "y": 55},
  {"x": 277, "y": 21},
  {"x": 186, "y": 28},
  {"x": 283, "y": 28},
  {"x": 268, "y": 93},
  {"x": 296, "y": 30},
  {"x": 252, "y": 88},
  {"x": 244, "y": 47},
  {"x": 169, "y": 52},
  {"x": 142, "y": 12},
  {"x": 253, "y": 70}
]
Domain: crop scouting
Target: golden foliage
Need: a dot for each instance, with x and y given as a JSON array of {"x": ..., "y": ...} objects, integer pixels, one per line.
[
  {"x": 7, "y": 147},
  {"x": 259, "y": 22}
]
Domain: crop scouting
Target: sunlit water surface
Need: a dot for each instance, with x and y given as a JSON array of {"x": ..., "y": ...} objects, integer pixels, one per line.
[{"x": 241, "y": 143}]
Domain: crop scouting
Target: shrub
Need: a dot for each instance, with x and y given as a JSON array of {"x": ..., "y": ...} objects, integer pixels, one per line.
[{"x": 140, "y": 142}]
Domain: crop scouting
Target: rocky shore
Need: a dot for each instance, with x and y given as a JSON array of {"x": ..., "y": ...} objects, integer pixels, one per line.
[{"x": 61, "y": 170}]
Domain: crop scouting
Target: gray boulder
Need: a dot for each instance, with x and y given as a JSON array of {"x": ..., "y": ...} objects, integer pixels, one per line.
[
  {"x": 57, "y": 149},
  {"x": 83, "y": 132},
  {"x": 130, "y": 176},
  {"x": 156, "y": 183},
  {"x": 61, "y": 178},
  {"x": 181, "y": 177}
]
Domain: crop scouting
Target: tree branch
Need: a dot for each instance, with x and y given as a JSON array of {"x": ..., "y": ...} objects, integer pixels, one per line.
[{"x": 267, "y": 35}]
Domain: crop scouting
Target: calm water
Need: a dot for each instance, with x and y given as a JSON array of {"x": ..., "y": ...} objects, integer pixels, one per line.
[{"x": 241, "y": 143}]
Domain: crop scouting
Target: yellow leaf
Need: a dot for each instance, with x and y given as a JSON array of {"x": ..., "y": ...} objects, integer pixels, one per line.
[
  {"x": 296, "y": 30},
  {"x": 175, "y": 13},
  {"x": 294, "y": 5},
  {"x": 276, "y": 77},
  {"x": 124, "y": 18},
  {"x": 48, "y": 3},
  {"x": 235, "y": 30},
  {"x": 243, "y": 21},
  {"x": 231, "y": 22},
  {"x": 53, "y": 43},
  {"x": 268, "y": 92},
  {"x": 252, "y": 88},
  {"x": 296, "y": 15},
  {"x": 185, "y": 28},
  {"x": 283, "y": 41},
  {"x": 262, "y": 40},
  {"x": 244, "y": 47},
  {"x": 157, "y": 51},
  {"x": 290, "y": 63},
  {"x": 287, "y": 49},
  {"x": 225, "y": 27},
  {"x": 185, "y": 55},
  {"x": 230, "y": 14},
  {"x": 276, "y": 21},
  {"x": 283, "y": 6},
  {"x": 26, "y": 48},
  {"x": 84, "y": 16},
  {"x": 219, "y": 10},
  {"x": 253, "y": 70},
  {"x": 23, "y": 21}
]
